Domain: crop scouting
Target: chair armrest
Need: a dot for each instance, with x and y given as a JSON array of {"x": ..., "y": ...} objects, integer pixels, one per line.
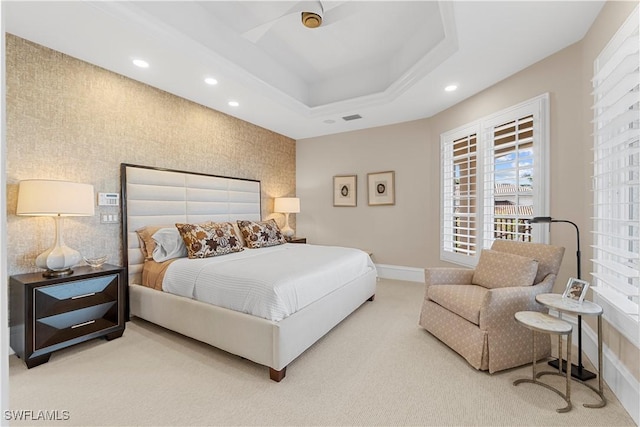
[
  {"x": 447, "y": 276},
  {"x": 501, "y": 304}
]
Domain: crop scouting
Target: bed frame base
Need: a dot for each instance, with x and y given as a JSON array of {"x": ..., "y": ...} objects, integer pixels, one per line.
[{"x": 272, "y": 344}]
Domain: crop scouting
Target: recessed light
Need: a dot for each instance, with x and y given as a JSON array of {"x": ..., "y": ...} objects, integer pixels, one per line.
[
  {"x": 451, "y": 88},
  {"x": 329, "y": 121},
  {"x": 210, "y": 81},
  {"x": 140, "y": 63},
  {"x": 233, "y": 103}
]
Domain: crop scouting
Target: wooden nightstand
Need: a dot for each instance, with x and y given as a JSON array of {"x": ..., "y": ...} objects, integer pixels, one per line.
[
  {"x": 50, "y": 314},
  {"x": 295, "y": 239}
]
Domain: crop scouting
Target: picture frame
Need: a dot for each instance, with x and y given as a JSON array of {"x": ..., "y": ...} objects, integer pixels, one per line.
[
  {"x": 345, "y": 190},
  {"x": 576, "y": 289},
  {"x": 381, "y": 188}
]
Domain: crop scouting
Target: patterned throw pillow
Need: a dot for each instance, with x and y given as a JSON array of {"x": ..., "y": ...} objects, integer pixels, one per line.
[
  {"x": 209, "y": 239},
  {"x": 501, "y": 270},
  {"x": 261, "y": 234}
]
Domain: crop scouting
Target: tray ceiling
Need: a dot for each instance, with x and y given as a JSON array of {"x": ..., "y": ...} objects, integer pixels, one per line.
[{"x": 387, "y": 61}]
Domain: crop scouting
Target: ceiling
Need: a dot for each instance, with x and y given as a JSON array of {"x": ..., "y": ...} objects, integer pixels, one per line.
[{"x": 385, "y": 61}]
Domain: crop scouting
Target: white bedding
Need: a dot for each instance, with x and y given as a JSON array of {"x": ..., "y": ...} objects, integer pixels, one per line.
[{"x": 272, "y": 282}]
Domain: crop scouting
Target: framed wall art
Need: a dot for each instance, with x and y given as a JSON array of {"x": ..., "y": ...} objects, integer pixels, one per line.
[
  {"x": 576, "y": 289},
  {"x": 381, "y": 186},
  {"x": 345, "y": 191}
]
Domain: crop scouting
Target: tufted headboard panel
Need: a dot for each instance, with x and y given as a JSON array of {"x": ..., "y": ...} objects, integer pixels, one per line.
[{"x": 152, "y": 196}]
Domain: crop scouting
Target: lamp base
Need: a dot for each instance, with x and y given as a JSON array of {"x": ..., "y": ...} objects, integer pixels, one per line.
[
  {"x": 576, "y": 371},
  {"x": 57, "y": 273},
  {"x": 287, "y": 232}
]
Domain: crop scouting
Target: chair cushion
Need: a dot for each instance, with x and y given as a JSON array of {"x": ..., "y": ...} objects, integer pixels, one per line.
[
  {"x": 464, "y": 300},
  {"x": 549, "y": 257},
  {"x": 502, "y": 270}
]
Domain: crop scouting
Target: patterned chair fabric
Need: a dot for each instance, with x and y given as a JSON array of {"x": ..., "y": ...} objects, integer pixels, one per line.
[{"x": 477, "y": 321}]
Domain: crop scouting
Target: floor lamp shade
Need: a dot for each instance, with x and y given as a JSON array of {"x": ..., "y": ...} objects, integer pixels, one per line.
[
  {"x": 38, "y": 197},
  {"x": 287, "y": 205}
]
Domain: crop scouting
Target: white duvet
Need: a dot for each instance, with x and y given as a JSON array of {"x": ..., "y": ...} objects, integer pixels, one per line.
[{"x": 272, "y": 282}]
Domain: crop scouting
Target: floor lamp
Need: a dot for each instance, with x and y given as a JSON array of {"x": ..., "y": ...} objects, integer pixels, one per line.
[{"x": 578, "y": 371}]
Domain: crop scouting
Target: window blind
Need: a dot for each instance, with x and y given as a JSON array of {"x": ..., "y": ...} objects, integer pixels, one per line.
[
  {"x": 459, "y": 180},
  {"x": 509, "y": 179},
  {"x": 616, "y": 170}
]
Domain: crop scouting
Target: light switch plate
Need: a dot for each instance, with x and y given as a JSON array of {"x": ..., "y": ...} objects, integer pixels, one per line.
[{"x": 109, "y": 218}]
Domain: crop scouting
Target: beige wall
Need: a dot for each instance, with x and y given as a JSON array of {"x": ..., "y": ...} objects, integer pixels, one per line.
[
  {"x": 408, "y": 233},
  {"x": 397, "y": 234},
  {"x": 69, "y": 120}
]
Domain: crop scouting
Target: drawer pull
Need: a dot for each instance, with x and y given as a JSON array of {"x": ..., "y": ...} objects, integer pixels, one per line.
[
  {"x": 83, "y": 324},
  {"x": 84, "y": 295}
]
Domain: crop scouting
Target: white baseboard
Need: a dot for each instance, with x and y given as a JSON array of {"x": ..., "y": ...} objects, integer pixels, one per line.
[
  {"x": 621, "y": 382},
  {"x": 398, "y": 272}
]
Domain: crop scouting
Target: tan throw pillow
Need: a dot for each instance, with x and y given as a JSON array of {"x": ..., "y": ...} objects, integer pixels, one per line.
[
  {"x": 501, "y": 270},
  {"x": 209, "y": 239},
  {"x": 145, "y": 236},
  {"x": 261, "y": 234}
]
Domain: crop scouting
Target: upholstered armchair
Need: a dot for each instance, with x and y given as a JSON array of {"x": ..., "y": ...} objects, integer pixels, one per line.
[{"x": 472, "y": 311}]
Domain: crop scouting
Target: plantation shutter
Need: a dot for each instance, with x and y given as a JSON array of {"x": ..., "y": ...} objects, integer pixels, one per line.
[
  {"x": 494, "y": 179},
  {"x": 616, "y": 170},
  {"x": 459, "y": 219},
  {"x": 509, "y": 179}
]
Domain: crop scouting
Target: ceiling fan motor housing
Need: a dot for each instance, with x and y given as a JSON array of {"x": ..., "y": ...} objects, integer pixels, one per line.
[{"x": 311, "y": 19}]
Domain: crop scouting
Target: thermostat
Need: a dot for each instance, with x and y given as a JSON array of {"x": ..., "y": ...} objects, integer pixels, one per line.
[{"x": 108, "y": 199}]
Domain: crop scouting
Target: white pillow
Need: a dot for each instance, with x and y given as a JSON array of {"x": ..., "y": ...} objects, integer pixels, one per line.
[{"x": 169, "y": 245}]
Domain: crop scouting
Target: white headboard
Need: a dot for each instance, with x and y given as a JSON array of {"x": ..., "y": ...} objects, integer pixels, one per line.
[{"x": 152, "y": 196}]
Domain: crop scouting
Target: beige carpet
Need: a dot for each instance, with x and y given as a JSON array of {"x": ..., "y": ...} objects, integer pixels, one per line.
[{"x": 375, "y": 368}]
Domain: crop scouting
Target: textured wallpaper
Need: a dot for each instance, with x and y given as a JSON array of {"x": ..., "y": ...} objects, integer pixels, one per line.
[{"x": 70, "y": 120}]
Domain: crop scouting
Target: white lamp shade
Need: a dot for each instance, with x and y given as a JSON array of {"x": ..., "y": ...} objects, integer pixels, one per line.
[
  {"x": 287, "y": 205},
  {"x": 41, "y": 197}
]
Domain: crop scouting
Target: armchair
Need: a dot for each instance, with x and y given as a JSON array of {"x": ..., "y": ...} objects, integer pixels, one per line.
[{"x": 472, "y": 311}]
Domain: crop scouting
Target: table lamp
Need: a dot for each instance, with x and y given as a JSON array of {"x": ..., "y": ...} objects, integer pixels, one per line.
[
  {"x": 287, "y": 205},
  {"x": 57, "y": 199},
  {"x": 577, "y": 371}
]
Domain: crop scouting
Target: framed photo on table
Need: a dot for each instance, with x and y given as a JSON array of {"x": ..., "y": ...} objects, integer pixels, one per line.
[
  {"x": 381, "y": 187},
  {"x": 576, "y": 289},
  {"x": 345, "y": 191}
]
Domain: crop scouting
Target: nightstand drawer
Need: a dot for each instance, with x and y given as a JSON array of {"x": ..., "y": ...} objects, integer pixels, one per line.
[
  {"x": 67, "y": 326},
  {"x": 57, "y": 299}
]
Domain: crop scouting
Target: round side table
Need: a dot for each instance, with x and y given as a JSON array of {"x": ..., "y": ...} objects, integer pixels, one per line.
[
  {"x": 540, "y": 322},
  {"x": 584, "y": 308}
]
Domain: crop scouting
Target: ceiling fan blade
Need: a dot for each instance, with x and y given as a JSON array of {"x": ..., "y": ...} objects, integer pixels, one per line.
[
  {"x": 340, "y": 12},
  {"x": 256, "y": 33}
]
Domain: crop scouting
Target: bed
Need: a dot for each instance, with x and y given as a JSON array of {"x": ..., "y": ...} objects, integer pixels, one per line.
[{"x": 152, "y": 197}]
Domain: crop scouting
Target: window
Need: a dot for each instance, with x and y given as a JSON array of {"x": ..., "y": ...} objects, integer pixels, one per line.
[
  {"x": 616, "y": 173},
  {"x": 494, "y": 180}
]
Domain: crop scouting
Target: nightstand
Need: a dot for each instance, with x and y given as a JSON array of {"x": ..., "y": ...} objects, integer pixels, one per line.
[
  {"x": 48, "y": 314},
  {"x": 295, "y": 239}
]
